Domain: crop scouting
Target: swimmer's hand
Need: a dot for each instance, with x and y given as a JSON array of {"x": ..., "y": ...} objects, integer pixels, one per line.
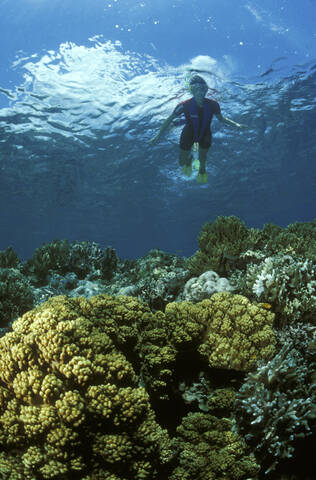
[{"x": 242, "y": 126}]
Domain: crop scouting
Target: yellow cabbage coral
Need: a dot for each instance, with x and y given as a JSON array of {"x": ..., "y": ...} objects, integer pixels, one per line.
[
  {"x": 238, "y": 334},
  {"x": 208, "y": 449},
  {"x": 165, "y": 336},
  {"x": 70, "y": 404}
]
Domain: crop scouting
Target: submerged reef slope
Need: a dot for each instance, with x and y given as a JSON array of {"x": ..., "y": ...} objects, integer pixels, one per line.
[
  {"x": 70, "y": 404},
  {"x": 77, "y": 382},
  {"x": 205, "y": 371}
]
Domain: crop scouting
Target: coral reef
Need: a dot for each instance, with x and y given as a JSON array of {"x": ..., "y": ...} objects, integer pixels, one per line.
[
  {"x": 226, "y": 245},
  {"x": 70, "y": 404},
  {"x": 276, "y": 406},
  {"x": 239, "y": 333},
  {"x": 16, "y": 296},
  {"x": 199, "y": 288},
  {"x": 226, "y": 331},
  {"x": 81, "y": 377},
  {"x": 219, "y": 401},
  {"x": 61, "y": 257},
  {"x": 158, "y": 279},
  {"x": 162, "y": 346},
  {"x": 84, "y": 269},
  {"x": 288, "y": 284},
  {"x": 220, "y": 244},
  {"x": 297, "y": 239},
  {"x": 209, "y": 449}
]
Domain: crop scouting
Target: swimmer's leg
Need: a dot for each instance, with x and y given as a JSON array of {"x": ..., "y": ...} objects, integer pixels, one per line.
[
  {"x": 185, "y": 156},
  {"x": 185, "y": 161},
  {"x": 202, "y": 175}
]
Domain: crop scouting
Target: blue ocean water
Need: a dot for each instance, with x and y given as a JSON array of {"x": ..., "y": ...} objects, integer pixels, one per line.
[{"x": 85, "y": 85}]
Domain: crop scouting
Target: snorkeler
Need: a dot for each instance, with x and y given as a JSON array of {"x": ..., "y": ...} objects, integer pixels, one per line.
[{"x": 198, "y": 112}]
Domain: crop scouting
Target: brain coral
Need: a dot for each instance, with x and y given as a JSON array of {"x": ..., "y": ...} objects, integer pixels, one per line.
[
  {"x": 238, "y": 333},
  {"x": 70, "y": 404}
]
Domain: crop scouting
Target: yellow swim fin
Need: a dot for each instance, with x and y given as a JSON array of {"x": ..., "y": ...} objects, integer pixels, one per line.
[
  {"x": 202, "y": 177},
  {"x": 196, "y": 164},
  {"x": 187, "y": 170}
]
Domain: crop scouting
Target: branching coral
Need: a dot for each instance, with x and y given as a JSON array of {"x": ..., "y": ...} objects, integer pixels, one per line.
[
  {"x": 219, "y": 243},
  {"x": 16, "y": 296},
  {"x": 297, "y": 239},
  {"x": 239, "y": 333},
  {"x": 9, "y": 259},
  {"x": 288, "y": 284},
  {"x": 70, "y": 404},
  {"x": 276, "y": 405},
  {"x": 223, "y": 245},
  {"x": 61, "y": 256}
]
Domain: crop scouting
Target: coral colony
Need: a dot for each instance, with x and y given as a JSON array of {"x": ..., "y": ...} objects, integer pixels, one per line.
[{"x": 162, "y": 367}]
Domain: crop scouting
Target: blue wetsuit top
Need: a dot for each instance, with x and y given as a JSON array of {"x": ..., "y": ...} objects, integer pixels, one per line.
[{"x": 198, "y": 118}]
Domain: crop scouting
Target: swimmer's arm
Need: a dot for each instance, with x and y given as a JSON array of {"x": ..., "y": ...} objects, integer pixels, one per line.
[
  {"x": 163, "y": 128},
  {"x": 228, "y": 121}
]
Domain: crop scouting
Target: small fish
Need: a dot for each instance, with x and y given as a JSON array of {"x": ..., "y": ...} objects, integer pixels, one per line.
[{"x": 267, "y": 306}]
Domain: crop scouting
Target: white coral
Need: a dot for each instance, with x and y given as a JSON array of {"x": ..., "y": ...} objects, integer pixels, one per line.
[
  {"x": 198, "y": 288},
  {"x": 288, "y": 282},
  {"x": 263, "y": 280}
]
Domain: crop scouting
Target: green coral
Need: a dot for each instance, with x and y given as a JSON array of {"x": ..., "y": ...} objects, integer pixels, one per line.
[
  {"x": 226, "y": 245},
  {"x": 50, "y": 256},
  {"x": 9, "y": 259},
  {"x": 203, "y": 392},
  {"x": 226, "y": 331},
  {"x": 219, "y": 243},
  {"x": 221, "y": 401},
  {"x": 61, "y": 256},
  {"x": 239, "y": 333},
  {"x": 297, "y": 239},
  {"x": 209, "y": 449},
  {"x": 70, "y": 403},
  {"x": 161, "y": 345},
  {"x": 16, "y": 296},
  {"x": 276, "y": 406}
]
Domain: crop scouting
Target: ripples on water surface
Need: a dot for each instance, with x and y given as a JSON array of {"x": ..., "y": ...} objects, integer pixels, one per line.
[{"x": 75, "y": 160}]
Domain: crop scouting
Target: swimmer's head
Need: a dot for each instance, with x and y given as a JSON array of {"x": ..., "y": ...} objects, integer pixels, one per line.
[
  {"x": 198, "y": 86},
  {"x": 197, "y": 81}
]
